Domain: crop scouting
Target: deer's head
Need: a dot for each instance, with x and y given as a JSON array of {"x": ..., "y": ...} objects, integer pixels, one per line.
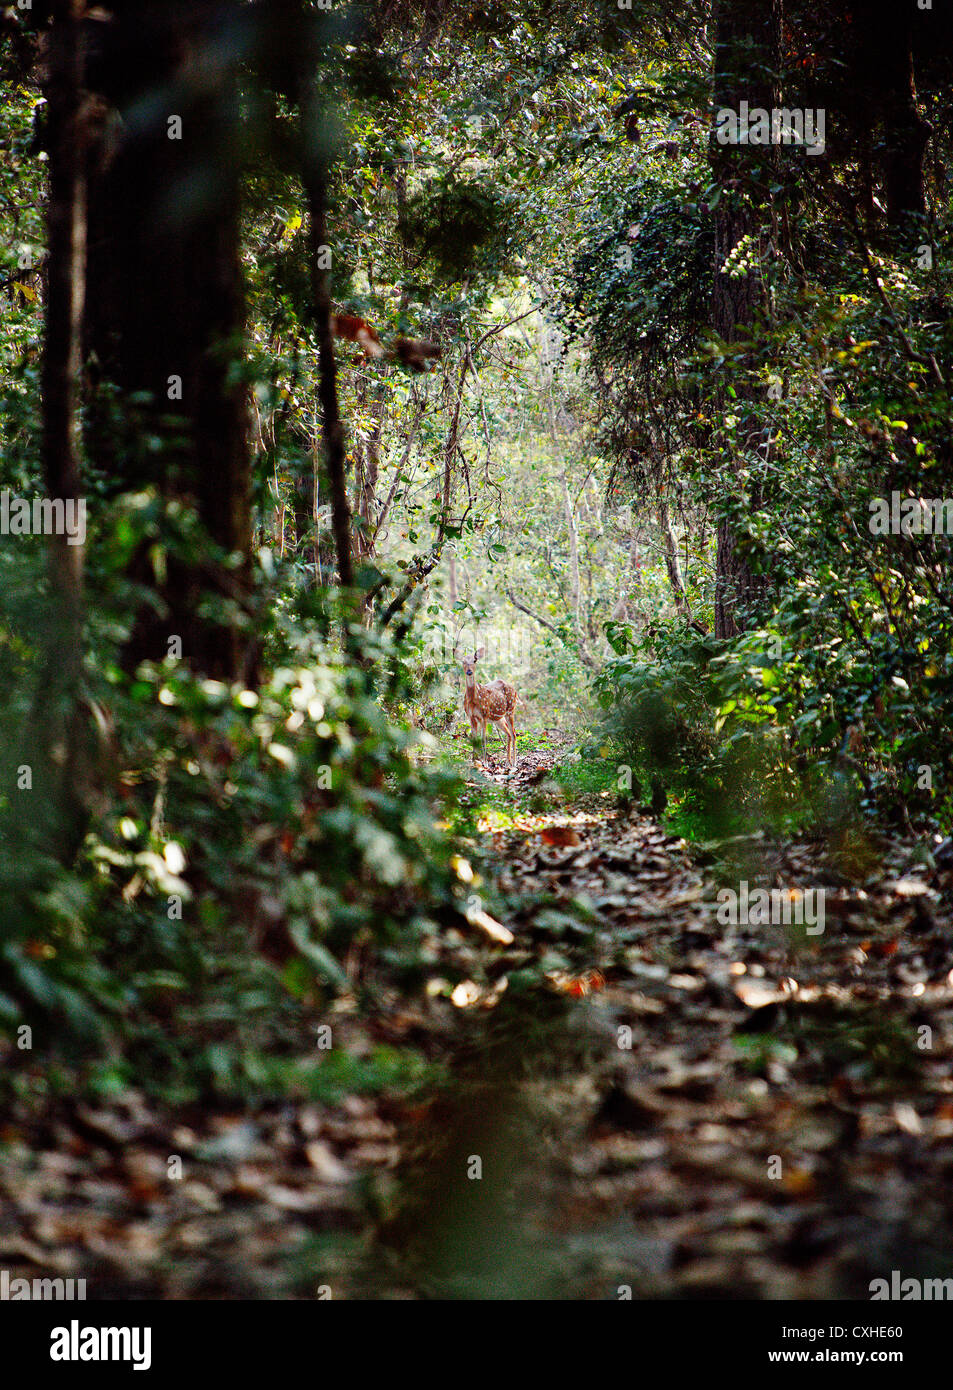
[{"x": 469, "y": 664}]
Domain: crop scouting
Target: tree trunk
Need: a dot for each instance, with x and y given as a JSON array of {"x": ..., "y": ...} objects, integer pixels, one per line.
[
  {"x": 631, "y": 574},
  {"x": 58, "y": 714},
  {"x": 165, "y": 310},
  {"x": 746, "y": 56},
  {"x": 66, "y": 228},
  {"x": 890, "y": 31},
  {"x": 452, "y": 579},
  {"x": 305, "y": 494},
  {"x": 672, "y": 564},
  {"x": 334, "y": 450},
  {"x": 365, "y": 483},
  {"x": 574, "y": 590}
]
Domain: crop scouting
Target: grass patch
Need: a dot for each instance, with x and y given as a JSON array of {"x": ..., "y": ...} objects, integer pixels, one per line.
[{"x": 589, "y": 777}]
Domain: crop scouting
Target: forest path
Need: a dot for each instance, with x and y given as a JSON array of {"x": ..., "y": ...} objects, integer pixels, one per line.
[
  {"x": 710, "y": 1110},
  {"x": 634, "y": 1096}
]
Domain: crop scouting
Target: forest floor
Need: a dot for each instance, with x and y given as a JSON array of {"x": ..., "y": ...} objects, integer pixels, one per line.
[{"x": 627, "y": 1097}]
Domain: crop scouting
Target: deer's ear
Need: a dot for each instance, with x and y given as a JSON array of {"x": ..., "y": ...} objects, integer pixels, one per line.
[{"x": 479, "y": 653}]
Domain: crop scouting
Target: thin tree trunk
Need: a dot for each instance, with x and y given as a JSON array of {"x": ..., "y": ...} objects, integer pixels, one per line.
[
  {"x": 334, "y": 450},
  {"x": 574, "y": 589},
  {"x": 746, "y": 48},
  {"x": 58, "y": 713},
  {"x": 315, "y": 509},
  {"x": 66, "y": 227},
  {"x": 630, "y": 574},
  {"x": 366, "y": 476},
  {"x": 305, "y": 483},
  {"x": 416, "y": 417},
  {"x": 672, "y": 564},
  {"x": 452, "y": 579}
]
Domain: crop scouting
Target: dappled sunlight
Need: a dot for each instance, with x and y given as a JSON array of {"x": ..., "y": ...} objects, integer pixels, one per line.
[{"x": 496, "y": 822}]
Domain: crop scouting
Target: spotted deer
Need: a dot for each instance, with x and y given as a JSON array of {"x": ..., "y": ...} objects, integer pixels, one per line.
[{"x": 494, "y": 703}]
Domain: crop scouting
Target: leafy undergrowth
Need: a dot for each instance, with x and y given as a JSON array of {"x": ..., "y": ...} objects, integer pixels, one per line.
[
  {"x": 262, "y": 855},
  {"x": 595, "y": 1085}
]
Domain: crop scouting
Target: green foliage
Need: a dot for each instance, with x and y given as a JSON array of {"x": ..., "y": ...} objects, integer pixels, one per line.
[
  {"x": 640, "y": 291},
  {"x": 830, "y": 1042},
  {"x": 463, "y": 226},
  {"x": 835, "y": 394},
  {"x": 255, "y": 842},
  {"x": 588, "y": 777},
  {"x": 689, "y": 717},
  {"x": 860, "y": 620}
]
